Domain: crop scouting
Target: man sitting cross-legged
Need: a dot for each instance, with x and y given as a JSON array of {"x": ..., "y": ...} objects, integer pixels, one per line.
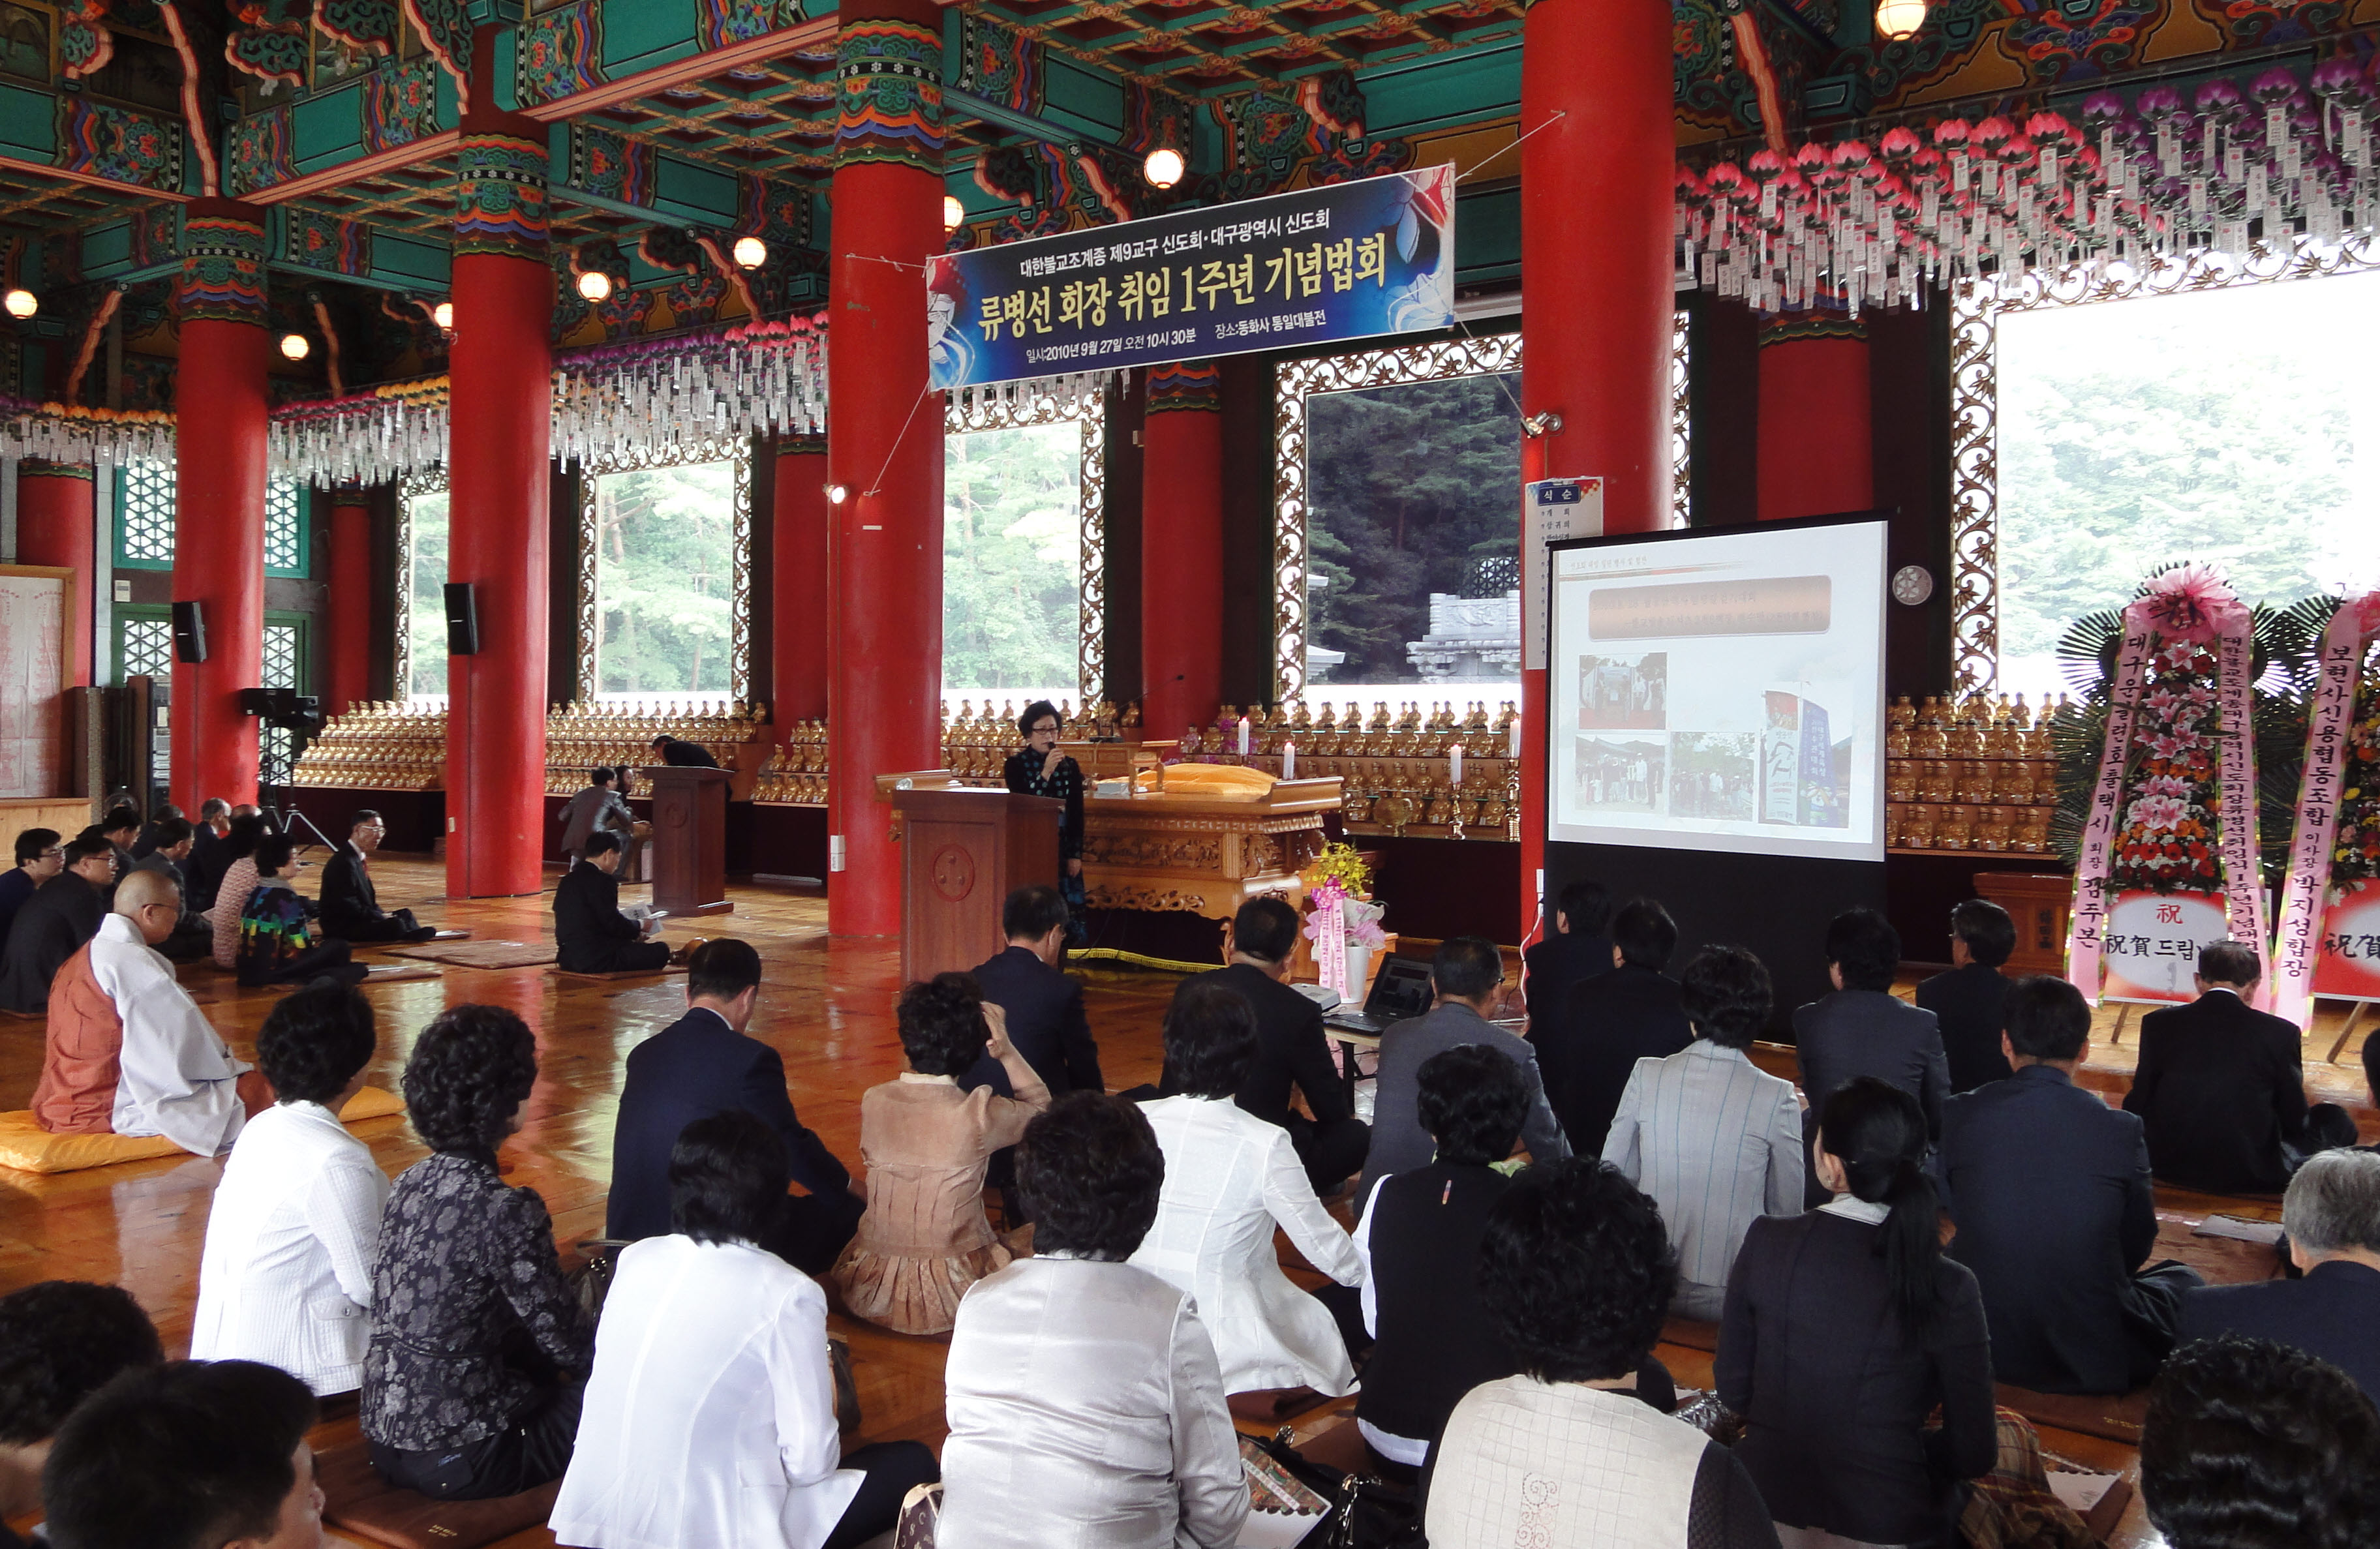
[
  {"x": 129, "y": 1052},
  {"x": 194, "y": 936},
  {"x": 591, "y": 934},
  {"x": 56, "y": 920},
  {"x": 351, "y": 908},
  {"x": 2332, "y": 1215}
]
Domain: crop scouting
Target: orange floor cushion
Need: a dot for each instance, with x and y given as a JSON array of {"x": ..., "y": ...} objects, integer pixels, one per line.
[
  {"x": 358, "y": 1502},
  {"x": 27, "y": 1147}
]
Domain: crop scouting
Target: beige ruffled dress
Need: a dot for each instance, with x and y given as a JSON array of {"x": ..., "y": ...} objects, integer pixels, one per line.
[{"x": 925, "y": 1239}]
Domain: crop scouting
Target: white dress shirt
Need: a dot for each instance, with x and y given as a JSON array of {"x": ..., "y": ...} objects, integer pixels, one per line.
[
  {"x": 1086, "y": 1411},
  {"x": 1229, "y": 1177},
  {"x": 709, "y": 1418},
  {"x": 176, "y": 1078},
  {"x": 285, "y": 1275}
]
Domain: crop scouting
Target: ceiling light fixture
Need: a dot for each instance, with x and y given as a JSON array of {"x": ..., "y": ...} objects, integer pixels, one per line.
[
  {"x": 295, "y": 346},
  {"x": 20, "y": 302},
  {"x": 954, "y": 212},
  {"x": 595, "y": 285},
  {"x": 1900, "y": 18},
  {"x": 750, "y": 252},
  {"x": 1164, "y": 166},
  {"x": 443, "y": 315}
]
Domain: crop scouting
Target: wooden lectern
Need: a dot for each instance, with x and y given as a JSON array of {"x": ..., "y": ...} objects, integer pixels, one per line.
[
  {"x": 963, "y": 850},
  {"x": 688, "y": 853}
]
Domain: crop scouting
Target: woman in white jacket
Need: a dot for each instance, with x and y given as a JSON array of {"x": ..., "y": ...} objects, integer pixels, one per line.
[
  {"x": 286, "y": 1275},
  {"x": 1230, "y": 1177},
  {"x": 709, "y": 1418}
]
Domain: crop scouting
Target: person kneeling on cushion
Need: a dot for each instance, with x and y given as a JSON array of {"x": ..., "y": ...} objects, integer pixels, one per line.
[
  {"x": 128, "y": 1051},
  {"x": 593, "y": 935}
]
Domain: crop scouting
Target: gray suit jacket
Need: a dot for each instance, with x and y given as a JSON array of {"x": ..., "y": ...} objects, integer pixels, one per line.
[
  {"x": 1399, "y": 1143},
  {"x": 1869, "y": 1032},
  {"x": 593, "y": 807}
]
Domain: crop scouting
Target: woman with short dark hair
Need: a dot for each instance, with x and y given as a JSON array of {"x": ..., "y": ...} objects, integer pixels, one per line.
[
  {"x": 237, "y": 856},
  {"x": 1085, "y": 1402},
  {"x": 925, "y": 1237},
  {"x": 709, "y": 1418},
  {"x": 1229, "y": 1178},
  {"x": 1846, "y": 1329},
  {"x": 286, "y": 1275},
  {"x": 276, "y": 943},
  {"x": 478, "y": 1351},
  {"x": 1039, "y": 770}
]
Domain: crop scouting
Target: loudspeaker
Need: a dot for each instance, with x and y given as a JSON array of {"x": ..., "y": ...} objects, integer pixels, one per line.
[
  {"x": 189, "y": 633},
  {"x": 462, "y": 620}
]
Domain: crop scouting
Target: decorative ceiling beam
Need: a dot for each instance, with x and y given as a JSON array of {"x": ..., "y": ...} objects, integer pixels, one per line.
[
  {"x": 678, "y": 72},
  {"x": 334, "y": 179},
  {"x": 1028, "y": 125}
]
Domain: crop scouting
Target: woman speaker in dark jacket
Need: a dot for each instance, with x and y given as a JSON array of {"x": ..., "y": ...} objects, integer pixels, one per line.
[{"x": 1845, "y": 1329}]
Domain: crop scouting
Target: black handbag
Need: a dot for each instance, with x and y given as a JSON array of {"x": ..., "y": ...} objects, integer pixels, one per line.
[{"x": 1366, "y": 1512}]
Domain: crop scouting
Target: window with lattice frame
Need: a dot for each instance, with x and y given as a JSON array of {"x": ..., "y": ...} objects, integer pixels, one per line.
[
  {"x": 145, "y": 647},
  {"x": 277, "y": 746},
  {"x": 144, "y": 515},
  {"x": 285, "y": 529}
]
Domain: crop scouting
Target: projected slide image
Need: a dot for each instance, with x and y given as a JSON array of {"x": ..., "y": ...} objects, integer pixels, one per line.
[
  {"x": 1623, "y": 693},
  {"x": 1620, "y": 776},
  {"x": 1711, "y": 775}
]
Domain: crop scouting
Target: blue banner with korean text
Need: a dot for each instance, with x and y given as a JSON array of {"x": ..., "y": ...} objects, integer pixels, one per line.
[{"x": 1351, "y": 261}]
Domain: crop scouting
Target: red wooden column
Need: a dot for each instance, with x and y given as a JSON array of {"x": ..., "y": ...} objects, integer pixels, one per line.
[
  {"x": 1182, "y": 549},
  {"x": 798, "y": 583},
  {"x": 1596, "y": 288},
  {"x": 219, "y": 405},
  {"x": 497, "y": 469},
  {"x": 57, "y": 525},
  {"x": 351, "y": 600},
  {"x": 1816, "y": 442},
  {"x": 884, "y": 446}
]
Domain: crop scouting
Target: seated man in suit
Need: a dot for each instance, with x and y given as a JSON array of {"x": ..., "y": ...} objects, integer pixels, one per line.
[
  {"x": 1579, "y": 946},
  {"x": 591, "y": 935},
  {"x": 1588, "y": 1048},
  {"x": 1291, "y": 1052},
  {"x": 1465, "y": 979},
  {"x": 1863, "y": 1029},
  {"x": 120, "y": 827},
  {"x": 350, "y": 903},
  {"x": 2332, "y": 1216},
  {"x": 210, "y": 852},
  {"x": 40, "y": 856},
  {"x": 149, "y": 843},
  {"x": 193, "y": 937},
  {"x": 705, "y": 1063},
  {"x": 55, "y": 923},
  {"x": 1044, "y": 1007},
  {"x": 2221, "y": 1086},
  {"x": 2049, "y": 1188},
  {"x": 1968, "y": 1001}
]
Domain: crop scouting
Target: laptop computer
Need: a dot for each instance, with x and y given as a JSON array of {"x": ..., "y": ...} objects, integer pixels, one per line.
[{"x": 1399, "y": 990}]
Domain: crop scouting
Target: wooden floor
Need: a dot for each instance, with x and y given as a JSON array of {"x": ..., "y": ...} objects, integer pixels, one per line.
[{"x": 827, "y": 1006}]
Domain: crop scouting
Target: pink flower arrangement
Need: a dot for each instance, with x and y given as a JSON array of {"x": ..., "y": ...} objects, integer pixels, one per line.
[{"x": 2156, "y": 814}]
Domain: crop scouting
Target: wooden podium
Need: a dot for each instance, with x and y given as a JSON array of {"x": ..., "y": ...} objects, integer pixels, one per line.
[
  {"x": 689, "y": 851},
  {"x": 963, "y": 851}
]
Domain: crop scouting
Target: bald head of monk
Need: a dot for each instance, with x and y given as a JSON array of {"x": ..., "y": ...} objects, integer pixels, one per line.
[{"x": 151, "y": 901}]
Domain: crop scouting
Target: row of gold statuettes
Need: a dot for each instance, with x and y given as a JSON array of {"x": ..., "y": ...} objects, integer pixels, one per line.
[
  {"x": 387, "y": 745},
  {"x": 1971, "y": 774}
]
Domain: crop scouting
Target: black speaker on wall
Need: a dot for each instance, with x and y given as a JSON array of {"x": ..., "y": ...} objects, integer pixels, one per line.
[
  {"x": 462, "y": 620},
  {"x": 189, "y": 633}
]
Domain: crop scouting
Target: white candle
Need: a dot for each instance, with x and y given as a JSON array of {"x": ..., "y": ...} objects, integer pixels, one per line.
[
  {"x": 1244, "y": 736},
  {"x": 1289, "y": 760},
  {"x": 1455, "y": 765},
  {"x": 1516, "y": 738}
]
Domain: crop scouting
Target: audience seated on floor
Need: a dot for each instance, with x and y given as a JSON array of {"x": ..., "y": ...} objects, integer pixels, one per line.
[
  {"x": 127, "y": 1051},
  {"x": 591, "y": 934},
  {"x": 478, "y": 1352},
  {"x": 1587, "y": 1047},
  {"x": 2056, "y": 1212},
  {"x": 710, "y": 1418},
  {"x": 1576, "y": 949},
  {"x": 1466, "y": 977},
  {"x": 190, "y": 1455},
  {"x": 1084, "y": 1396},
  {"x": 276, "y": 941},
  {"x": 1846, "y": 1331},
  {"x": 1575, "y": 1271},
  {"x": 210, "y": 851},
  {"x": 60, "y": 1342},
  {"x": 53, "y": 925},
  {"x": 40, "y": 856},
  {"x": 235, "y": 881},
  {"x": 705, "y": 1063},
  {"x": 1043, "y": 1004},
  {"x": 925, "y": 1237},
  {"x": 1229, "y": 1178},
  {"x": 2332, "y": 1218},
  {"x": 351, "y": 908},
  {"x": 1292, "y": 1054},
  {"x": 1969, "y": 1003},
  {"x": 1863, "y": 1029},
  {"x": 1419, "y": 1240},
  {"x": 193, "y": 937},
  {"x": 1714, "y": 1140},
  {"x": 149, "y": 843},
  {"x": 2220, "y": 1087},
  {"x": 119, "y": 827},
  {"x": 285, "y": 1275},
  {"x": 2251, "y": 1445}
]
